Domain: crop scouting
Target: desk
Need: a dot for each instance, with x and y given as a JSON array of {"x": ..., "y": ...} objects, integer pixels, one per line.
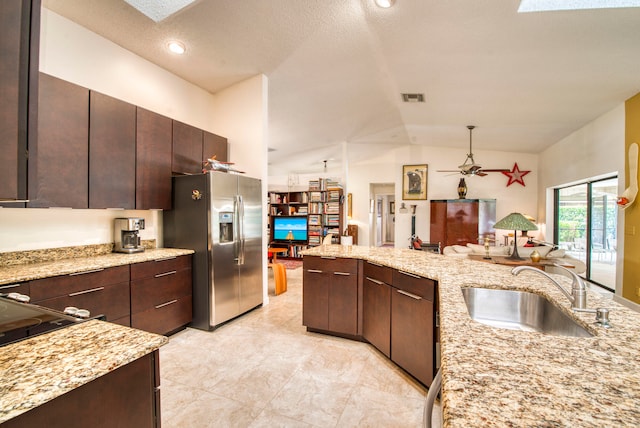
[
  {"x": 542, "y": 264},
  {"x": 275, "y": 252}
]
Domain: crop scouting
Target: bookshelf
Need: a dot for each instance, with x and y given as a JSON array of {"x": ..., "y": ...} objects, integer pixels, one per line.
[
  {"x": 325, "y": 211},
  {"x": 287, "y": 204}
]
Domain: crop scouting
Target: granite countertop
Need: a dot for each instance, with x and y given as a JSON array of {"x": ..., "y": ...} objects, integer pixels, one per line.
[
  {"x": 14, "y": 273},
  {"x": 498, "y": 377},
  {"x": 37, "y": 370}
]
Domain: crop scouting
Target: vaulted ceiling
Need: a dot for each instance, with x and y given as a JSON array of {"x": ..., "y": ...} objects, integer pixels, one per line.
[{"x": 337, "y": 68}]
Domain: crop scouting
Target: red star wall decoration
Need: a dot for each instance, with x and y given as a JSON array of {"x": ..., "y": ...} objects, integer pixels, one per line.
[{"x": 515, "y": 175}]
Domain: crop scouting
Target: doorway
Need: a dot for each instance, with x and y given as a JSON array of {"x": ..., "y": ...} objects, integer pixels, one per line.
[{"x": 382, "y": 214}]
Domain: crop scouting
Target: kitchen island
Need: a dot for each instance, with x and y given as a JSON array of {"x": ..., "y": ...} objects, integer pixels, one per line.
[
  {"x": 91, "y": 374},
  {"x": 499, "y": 377}
]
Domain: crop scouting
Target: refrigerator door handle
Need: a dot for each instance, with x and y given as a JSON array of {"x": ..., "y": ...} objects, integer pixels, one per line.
[{"x": 239, "y": 237}]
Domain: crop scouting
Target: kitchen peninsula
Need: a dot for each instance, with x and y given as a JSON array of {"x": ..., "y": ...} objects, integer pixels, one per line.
[
  {"x": 93, "y": 372},
  {"x": 499, "y": 377}
]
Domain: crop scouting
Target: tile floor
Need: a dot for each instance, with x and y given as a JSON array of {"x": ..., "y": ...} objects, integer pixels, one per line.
[{"x": 264, "y": 370}]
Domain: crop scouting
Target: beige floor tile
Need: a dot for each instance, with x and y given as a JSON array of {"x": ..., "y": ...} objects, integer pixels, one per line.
[{"x": 265, "y": 370}]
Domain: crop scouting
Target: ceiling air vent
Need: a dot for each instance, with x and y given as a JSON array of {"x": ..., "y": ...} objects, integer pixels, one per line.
[{"x": 413, "y": 98}]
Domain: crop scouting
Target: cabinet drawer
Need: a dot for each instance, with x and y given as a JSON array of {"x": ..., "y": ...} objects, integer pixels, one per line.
[
  {"x": 111, "y": 301},
  {"x": 149, "y": 292},
  {"x": 331, "y": 264},
  {"x": 378, "y": 272},
  {"x": 414, "y": 284},
  {"x": 64, "y": 285},
  {"x": 159, "y": 267},
  {"x": 21, "y": 287},
  {"x": 164, "y": 318}
]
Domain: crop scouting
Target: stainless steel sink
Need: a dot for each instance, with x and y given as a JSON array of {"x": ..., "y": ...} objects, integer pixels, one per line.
[{"x": 519, "y": 310}]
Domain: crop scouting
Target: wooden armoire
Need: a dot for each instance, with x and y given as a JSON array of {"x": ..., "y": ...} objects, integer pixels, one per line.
[{"x": 462, "y": 221}]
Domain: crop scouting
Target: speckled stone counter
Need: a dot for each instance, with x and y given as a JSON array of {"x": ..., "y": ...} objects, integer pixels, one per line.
[
  {"x": 498, "y": 377},
  {"x": 13, "y": 273},
  {"x": 39, "y": 369}
]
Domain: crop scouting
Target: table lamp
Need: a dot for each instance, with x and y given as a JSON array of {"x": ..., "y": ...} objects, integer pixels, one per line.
[{"x": 515, "y": 221}]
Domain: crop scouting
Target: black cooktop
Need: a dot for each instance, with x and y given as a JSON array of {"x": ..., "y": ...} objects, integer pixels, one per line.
[{"x": 19, "y": 321}]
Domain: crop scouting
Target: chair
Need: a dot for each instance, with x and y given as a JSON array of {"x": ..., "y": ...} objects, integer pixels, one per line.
[{"x": 279, "y": 277}]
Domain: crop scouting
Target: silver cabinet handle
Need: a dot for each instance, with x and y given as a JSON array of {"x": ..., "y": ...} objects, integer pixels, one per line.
[
  {"x": 165, "y": 259},
  {"x": 406, "y": 293},
  {"x": 327, "y": 257},
  {"x": 314, "y": 271},
  {"x": 171, "y": 272},
  {"x": 166, "y": 304},
  {"x": 375, "y": 281},
  {"x": 342, "y": 273},
  {"x": 86, "y": 272},
  {"x": 434, "y": 389},
  {"x": 86, "y": 291},
  {"x": 410, "y": 274},
  {"x": 4, "y": 287},
  {"x": 375, "y": 264}
]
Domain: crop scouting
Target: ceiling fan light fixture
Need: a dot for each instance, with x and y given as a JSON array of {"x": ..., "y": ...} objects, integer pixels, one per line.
[{"x": 385, "y": 3}]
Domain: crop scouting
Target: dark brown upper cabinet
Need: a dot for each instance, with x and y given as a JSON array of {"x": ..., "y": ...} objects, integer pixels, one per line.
[
  {"x": 214, "y": 145},
  {"x": 187, "y": 149},
  {"x": 19, "y": 53},
  {"x": 112, "y": 153},
  {"x": 153, "y": 160},
  {"x": 59, "y": 159}
]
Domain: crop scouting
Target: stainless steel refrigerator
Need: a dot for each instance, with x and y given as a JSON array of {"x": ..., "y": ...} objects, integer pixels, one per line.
[{"x": 219, "y": 215}]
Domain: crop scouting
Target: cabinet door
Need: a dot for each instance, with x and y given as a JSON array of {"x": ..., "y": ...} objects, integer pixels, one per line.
[
  {"x": 462, "y": 222},
  {"x": 438, "y": 227},
  {"x": 59, "y": 162},
  {"x": 186, "y": 149},
  {"x": 153, "y": 160},
  {"x": 412, "y": 334},
  {"x": 213, "y": 144},
  {"x": 376, "y": 319},
  {"x": 343, "y": 297},
  {"x": 112, "y": 153},
  {"x": 315, "y": 294}
]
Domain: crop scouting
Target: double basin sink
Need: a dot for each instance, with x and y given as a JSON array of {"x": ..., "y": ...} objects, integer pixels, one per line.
[{"x": 519, "y": 310}]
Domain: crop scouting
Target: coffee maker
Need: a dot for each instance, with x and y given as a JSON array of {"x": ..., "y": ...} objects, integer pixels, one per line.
[{"x": 125, "y": 235}]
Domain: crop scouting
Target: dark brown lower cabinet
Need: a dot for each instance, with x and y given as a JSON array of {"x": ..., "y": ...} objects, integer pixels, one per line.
[
  {"x": 330, "y": 294},
  {"x": 376, "y": 319},
  {"x": 126, "y": 397},
  {"x": 412, "y": 325},
  {"x": 161, "y": 299}
]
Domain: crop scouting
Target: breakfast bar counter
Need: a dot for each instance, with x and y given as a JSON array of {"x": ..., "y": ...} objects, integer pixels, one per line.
[{"x": 499, "y": 377}]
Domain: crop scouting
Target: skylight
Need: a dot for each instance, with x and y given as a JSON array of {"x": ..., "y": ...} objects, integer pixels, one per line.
[
  {"x": 553, "y": 5},
  {"x": 159, "y": 9}
]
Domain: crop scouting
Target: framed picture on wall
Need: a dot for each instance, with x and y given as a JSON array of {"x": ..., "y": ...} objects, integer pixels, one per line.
[{"x": 414, "y": 182}]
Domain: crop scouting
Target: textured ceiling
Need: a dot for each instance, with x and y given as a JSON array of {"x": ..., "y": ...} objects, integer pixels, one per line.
[{"x": 336, "y": 68}]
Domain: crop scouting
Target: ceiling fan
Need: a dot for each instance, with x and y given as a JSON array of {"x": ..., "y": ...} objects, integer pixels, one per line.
[{"x": 470, "y": 167}]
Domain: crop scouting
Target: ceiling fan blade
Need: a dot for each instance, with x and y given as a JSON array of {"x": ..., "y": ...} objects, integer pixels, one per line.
[
  {"x": 495, "y": 170},
  {"x": 481, "y": 173}
]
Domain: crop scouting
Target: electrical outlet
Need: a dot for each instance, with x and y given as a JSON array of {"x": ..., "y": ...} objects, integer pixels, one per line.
[{"x": 630, "y": 230}]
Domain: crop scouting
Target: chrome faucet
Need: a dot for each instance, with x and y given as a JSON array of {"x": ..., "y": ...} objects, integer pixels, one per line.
[{"x": 578, "y": 296}]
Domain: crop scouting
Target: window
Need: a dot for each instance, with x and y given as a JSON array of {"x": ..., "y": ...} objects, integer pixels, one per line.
[{"x": 586, "y": 226}]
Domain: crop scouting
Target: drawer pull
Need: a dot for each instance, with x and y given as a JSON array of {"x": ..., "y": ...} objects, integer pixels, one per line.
[
  {"x": 171, "y": 272},
  {"x": 342, "y": 273},
  {"x": 4, "y": 287},
  {"x": 410, "y": 274},
  {"x": 314, "y": 271},
  {"x": 86, "y": 291},
  {"x": 375, "y": 264},
  {"x": 166, "y": 304},
  {"x": 85, "y": 272},
  {"x": 375, "y": 281},
  {"x": 327, "y": 257},
  {"x": 406, "y": 293},
  {"x": 165, "y": 259}
]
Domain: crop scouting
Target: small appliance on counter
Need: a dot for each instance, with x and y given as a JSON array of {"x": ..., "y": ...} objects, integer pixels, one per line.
[{"x": 125, "y": 235}]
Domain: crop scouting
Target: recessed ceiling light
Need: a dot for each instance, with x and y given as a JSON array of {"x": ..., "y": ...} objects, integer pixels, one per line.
[
  {"x": 176, "y": 47},
  {"x": 385, "y": 3},
  {"x": 553, "y": 5}
]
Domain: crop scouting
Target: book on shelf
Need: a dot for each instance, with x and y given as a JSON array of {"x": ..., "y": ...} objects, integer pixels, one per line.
[
  {"x": 316, "y": 196},
  {"x": 315, "y": 240},
  {"x": 315, "y": 219}
]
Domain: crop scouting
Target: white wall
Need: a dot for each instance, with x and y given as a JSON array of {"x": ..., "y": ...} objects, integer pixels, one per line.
[
  {"x": 441, "y": 186},
  {"x": 596, "y": 150},
  {"x": 75, "y": 54}
]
